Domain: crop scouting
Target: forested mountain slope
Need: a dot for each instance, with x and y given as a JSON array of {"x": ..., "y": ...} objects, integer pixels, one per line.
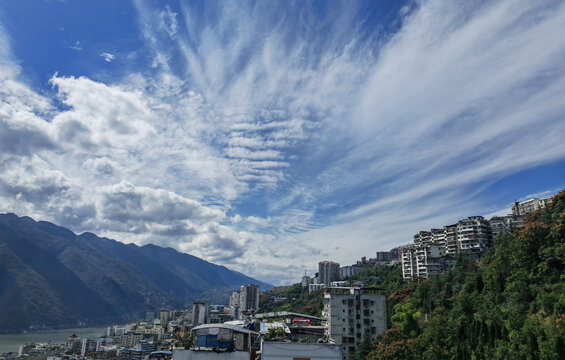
[{"x": 51, "y": 277}]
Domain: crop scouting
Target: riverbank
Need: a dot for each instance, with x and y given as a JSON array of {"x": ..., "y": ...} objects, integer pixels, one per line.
[{"x": 12, "y": 342}]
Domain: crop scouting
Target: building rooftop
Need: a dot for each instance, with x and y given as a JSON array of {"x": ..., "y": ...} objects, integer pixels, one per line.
[
  {"x": 280, "y": 314},
  {"x": 235, "y": 328}
]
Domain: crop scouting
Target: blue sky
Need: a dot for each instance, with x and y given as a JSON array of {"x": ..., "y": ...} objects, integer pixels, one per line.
[{"x": 269, "y": 136}]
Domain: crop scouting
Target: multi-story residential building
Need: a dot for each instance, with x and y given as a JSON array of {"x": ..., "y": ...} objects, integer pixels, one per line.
[
  {"x": 234, "y": 307},
  {"x": 89, "y": 345},
  {"x": 383, "y": 258},
  {"x": 219, "y": 314},
  {"x": 315, "y": 287},
  {"x": 74, "y": 344},
  {"x": 347, "y": 271},
  {"x": 234, "y": 299},
  {"x": 531, "y": 205},
  {"x": 438, "y": 237},
  {"x": 165, "y": 316},
  {"x": 422, "y": 261},
  {"x": 249, "y": 298},
  {"x": 423, "y": 238},
  {"x": 130, "y": 339},
  {"x": 501, "y": 224},
  {"x": 200, "y": 311},
  {"x": 474, "y": 235},
  {"x": 328, "y": 271},
  {"x": 450, "y": 239},
  {"x": 352, "y": 314}
]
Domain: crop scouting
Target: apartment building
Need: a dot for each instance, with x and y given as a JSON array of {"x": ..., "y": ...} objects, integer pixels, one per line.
[
  {"x": 502, "y": 224},
  {"x": 249, "y": 298},
  {"x": 352, "y": 314},
  {"x": 450, "y": 239},
  {"x": 200, "y": 311},
  {"x": 347, "y": 271},
  {"x": 474, "y": 235},
  {"x": 531, "y": 205},
  {"x": 423, "y": 238},
  {"x": 422, "y": 261},
  {"x": 328, "y": 271}
]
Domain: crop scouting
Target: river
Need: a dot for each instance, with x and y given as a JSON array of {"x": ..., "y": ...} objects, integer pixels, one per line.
[{"x": 12, "y": 342}]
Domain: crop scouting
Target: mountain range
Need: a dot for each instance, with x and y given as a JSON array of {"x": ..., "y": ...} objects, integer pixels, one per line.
[{"x": 51, "y": 277}]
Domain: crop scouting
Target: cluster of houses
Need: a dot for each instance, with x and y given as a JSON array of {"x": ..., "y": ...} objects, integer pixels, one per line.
[{"x": 433, "y": 251}]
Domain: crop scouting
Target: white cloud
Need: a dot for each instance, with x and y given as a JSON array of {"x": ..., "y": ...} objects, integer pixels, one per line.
[
  {"x": 78, "y": 47},
  {"x": 269, "y": 149},
  {"x": 168, "y": 21},
  {"x": 108, "y": 57}
]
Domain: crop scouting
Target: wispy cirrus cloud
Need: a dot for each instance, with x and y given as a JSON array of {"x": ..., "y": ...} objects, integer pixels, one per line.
[{"x": 267, "y": 137}]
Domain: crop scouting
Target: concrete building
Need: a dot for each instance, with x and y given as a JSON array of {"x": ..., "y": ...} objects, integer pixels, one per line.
[
  {"x": 89, "y": 345},
  {"x": 450, "y": 239},
  {"x": 306, "y": 280},
  {"x": 130, "y": 339},
  {"x": 474, "y": 235},
  {"x": 234, "y": 305},
  {"x": 502, "y": 224},
  {"x": 219, "y": 314},
  {"x": 438, "y": 237},
  {"x": 422, "y": 261},
  {"x": 74, "y": 344},
  {"x": 531, "y": 205},
  {"x": 200, "y": 311},
  {"x": 382, "y": 258},
  {"x": 315, "y": 287},
  {"x": 347, "y": 271},
  {"x": 249, "y": 298},
  {"x": 165, "y": 316},
  {"x": 328, "y": 272},
  {"x": 351, "y": 314},
  {"x": 423, "y": 238},
  {"x": 220, "y": 341}
]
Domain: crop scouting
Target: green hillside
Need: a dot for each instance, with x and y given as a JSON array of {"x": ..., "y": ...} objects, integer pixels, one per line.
[{"x": 511, "y": 305}]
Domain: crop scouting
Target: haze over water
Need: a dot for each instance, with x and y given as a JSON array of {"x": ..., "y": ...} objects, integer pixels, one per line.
[{"x": 12, "y": 342}]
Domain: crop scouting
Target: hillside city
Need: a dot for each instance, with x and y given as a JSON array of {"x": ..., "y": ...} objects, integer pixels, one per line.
[{"x": 346, "y": 309}]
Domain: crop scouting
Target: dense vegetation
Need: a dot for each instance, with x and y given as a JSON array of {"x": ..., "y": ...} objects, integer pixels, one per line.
[
  {"x": 511, "y": 305},
  {"x": 297, "y": 299}
]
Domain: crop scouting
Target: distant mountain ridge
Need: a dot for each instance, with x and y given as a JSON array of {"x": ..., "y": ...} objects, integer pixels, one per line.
[{"x": 51, "y": 277}]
